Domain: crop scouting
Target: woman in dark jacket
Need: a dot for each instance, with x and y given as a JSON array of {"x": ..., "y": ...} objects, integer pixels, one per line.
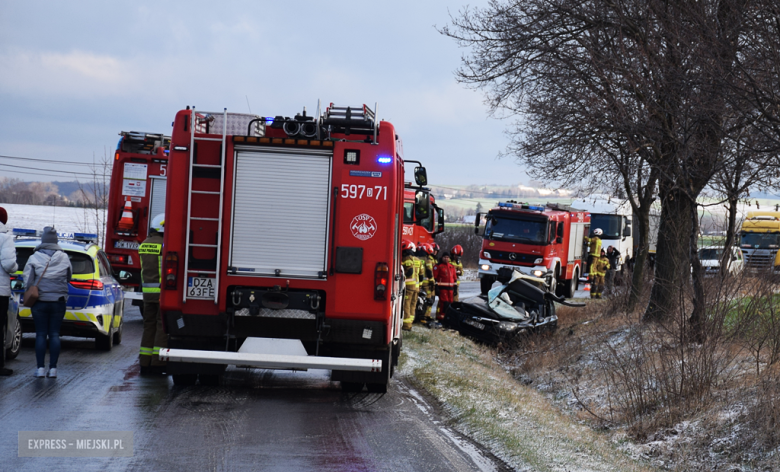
[{"x": 48, "y": 267}]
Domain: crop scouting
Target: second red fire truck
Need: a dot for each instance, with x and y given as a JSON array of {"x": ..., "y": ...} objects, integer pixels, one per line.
[
  {"x": 542, "y": 241},
  {"x": 282, "y": 245}
]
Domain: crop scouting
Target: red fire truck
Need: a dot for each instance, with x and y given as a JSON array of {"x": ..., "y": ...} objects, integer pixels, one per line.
[
  {"x": 136, "y": 195},
  {"x": 282, "y": 245},
  {"x": 423, "y": 219},
  {"x": 542, "y": 241}
]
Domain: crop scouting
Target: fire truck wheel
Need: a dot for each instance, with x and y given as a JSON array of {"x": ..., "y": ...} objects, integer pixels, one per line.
[
  {"x": 486, "y": 283},
  {"x": 211, "y": 380},
  {"x": 352, "y": 387},
  {"x": 387, "y": 371},
  {"x": 184, "y": 380},
  {"x": 570, "y": 288}
]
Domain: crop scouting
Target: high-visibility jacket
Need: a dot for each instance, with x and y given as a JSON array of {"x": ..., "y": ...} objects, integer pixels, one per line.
[
  {"x": 600, "y": 266},
  {"x": 412, "y": 272},
  {"x": 458, "y": 264},
  {"x": 150, "y": 253},
  {"x": 430, "y": 262},
  {"x": 595, "y": 245}
]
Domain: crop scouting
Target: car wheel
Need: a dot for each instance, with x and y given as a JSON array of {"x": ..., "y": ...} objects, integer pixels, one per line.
[
  {"x": 118, "y": 334},
  {"x": 16, "y": 342},
  {"x": 105, "y": 342}
]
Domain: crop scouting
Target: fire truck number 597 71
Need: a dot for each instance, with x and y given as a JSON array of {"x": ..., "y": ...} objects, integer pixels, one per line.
[{"x": 282, "y": 245}]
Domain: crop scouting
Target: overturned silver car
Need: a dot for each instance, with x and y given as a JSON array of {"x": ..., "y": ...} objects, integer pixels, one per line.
[{"x": 522, "y": 304}]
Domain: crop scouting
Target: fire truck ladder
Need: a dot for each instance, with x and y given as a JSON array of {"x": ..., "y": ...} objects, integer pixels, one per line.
[{"x": 189, "y": 244}]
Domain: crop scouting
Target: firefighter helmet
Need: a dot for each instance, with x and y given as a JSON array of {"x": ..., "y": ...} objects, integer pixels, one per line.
[
  {"x": 426, "y": 248},
  {"x": 407, "y": 245},
  {"x": 457, "y": 250},
  {"x": 598, "y": 232},
  {"x": 158, "y": 223},
  {"x": 436, "y": 248}
]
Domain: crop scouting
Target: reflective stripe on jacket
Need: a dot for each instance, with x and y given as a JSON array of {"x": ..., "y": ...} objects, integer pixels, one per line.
[
  {"x": 600, "y": 266},
  {"x": 150, "y": 253},
  {"x": 411, "y": 268}
]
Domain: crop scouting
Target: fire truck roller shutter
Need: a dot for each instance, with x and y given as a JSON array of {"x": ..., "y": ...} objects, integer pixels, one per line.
[
  {"x": 156, "y": 198},
  {"x": 281, "y": 212}
]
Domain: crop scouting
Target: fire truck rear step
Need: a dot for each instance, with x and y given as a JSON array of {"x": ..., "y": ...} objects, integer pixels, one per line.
[{"x": 264, "y": 353}]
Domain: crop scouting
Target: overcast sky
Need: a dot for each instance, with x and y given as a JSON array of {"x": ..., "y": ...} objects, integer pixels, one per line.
[{"x": 74, "y": 74}]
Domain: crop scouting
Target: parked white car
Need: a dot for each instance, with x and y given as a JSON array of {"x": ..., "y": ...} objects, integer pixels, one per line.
[{"x": 710, "y": 257}]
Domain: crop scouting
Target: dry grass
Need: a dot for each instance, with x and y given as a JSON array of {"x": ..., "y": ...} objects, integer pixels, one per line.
[{"x": 518, "y": 423}]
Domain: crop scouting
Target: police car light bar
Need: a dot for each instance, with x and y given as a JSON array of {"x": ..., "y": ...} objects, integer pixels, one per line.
[
  {"x": 520, "y": 206},
  {"x": 24, "y": 232}
]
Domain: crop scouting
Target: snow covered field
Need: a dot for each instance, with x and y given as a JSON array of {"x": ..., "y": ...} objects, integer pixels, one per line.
[{"x": 65, "y": 219}]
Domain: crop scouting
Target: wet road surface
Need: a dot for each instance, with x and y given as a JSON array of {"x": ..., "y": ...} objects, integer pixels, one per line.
[{"x": 256, "y": 420}]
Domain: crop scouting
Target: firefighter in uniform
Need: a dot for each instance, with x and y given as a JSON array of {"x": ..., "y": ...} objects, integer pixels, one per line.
[
  {"x": 455, "y": 254},
  {"x": 597, "y": 272},
  {"x": 428, "y": 261},
  {"x": 594, "y": 245},
  {"x": 153, "y": 338},
  {"x": 412, "y": 275}
]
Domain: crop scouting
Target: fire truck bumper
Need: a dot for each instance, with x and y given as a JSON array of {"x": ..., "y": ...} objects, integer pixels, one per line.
[
  {"x": 489, "y": 268},
  {"x": 271, "y": 353}
]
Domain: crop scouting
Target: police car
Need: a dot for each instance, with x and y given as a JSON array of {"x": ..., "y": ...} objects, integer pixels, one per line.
[{"x": 95, "y": 298}]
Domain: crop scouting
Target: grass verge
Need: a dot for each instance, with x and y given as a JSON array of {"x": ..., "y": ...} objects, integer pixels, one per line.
[{"x": 517, "y": 423}]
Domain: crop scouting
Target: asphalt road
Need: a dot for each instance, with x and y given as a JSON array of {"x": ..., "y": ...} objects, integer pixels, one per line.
[{"x": 257, "y": 420}]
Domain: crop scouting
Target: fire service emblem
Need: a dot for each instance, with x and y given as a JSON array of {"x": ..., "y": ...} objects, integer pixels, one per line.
[{"x": 363, "y": 227}]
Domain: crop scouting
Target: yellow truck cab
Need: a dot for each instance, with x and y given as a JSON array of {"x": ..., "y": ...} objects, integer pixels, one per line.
[{"x": 760, "y": 239}]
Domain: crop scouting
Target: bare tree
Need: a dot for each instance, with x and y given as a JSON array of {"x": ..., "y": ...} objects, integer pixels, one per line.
[
  {"x": 94, "y": 196},
  {"x": 594, "y": 82}
]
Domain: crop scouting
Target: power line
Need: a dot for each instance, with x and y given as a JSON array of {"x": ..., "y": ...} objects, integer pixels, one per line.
[
  {"x": 49, "y": 170},
  {"x": 25, "y": 172},
  {"x": 46, "y": 160}
]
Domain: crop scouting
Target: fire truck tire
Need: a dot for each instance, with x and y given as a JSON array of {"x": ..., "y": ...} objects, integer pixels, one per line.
[
  {"x": 210, "y": 380},
  {"x": 387, "y": 371},
  {"x": 568, "y": 289},
  {"x": 486, "y": 283},
  {"x": 184, "y": 380},
  {"x": 352, "y": 387}
]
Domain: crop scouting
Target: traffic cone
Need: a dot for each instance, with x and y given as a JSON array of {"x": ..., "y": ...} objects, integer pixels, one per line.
[
  {"x": 126, "y": 222},
  {"x": 586, "y": 288}
]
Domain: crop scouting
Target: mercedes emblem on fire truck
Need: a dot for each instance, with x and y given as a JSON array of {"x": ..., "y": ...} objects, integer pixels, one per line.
[{"x": 512, "y": 256}]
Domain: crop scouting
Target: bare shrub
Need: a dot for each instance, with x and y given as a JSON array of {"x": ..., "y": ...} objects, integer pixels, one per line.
[
  {"x": 463, "y": 235},
  {"x": 764, "y": 414},
  {"x": 655, "y": 375}
]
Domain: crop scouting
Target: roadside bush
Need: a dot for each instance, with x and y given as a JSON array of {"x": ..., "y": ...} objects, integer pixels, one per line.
[{"x": 463, "y": 235}]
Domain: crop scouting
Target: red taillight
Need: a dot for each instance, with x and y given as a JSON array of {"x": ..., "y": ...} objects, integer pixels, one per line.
[
  {"x": 117, "y": 259},
  {"x": 90, "y": 284},
  {"x": 381, "y": 280},
  {"x": 171, "y": 269}
]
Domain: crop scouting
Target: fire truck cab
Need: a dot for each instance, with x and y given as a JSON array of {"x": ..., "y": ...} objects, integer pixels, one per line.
[
  {"x": 282, "y": 245},
  {"x": 136, "y": 196},
  {"x": 541, "y": 241},
  {"x": 423, "y": 219}
]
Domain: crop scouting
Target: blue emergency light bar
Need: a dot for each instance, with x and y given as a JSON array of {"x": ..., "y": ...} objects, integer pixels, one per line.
[
  {"x": 384, "y": 160},
  {"x": 38, "y": 233},
  {"x": 24, "y": 232},
  {"x": 520, "y": 206}
]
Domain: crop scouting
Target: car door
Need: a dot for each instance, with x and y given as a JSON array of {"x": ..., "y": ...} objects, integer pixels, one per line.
[{"x": 110, "y": 284}]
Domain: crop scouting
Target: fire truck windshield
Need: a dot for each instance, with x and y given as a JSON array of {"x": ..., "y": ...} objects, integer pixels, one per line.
[
  {"x": 760, "y": 240},
  {"x": 611, "y": 225},
  {"x": 516, "y": 230},
  {"x": 409, "y": 213}
]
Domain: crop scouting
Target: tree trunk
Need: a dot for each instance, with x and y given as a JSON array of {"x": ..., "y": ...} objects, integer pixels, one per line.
[
  {"x": 642, "y": 223},
  {"x": 730, "y": 236},
  {"x": 672, "y": 263},
  {"x": 696, "y": 321}
]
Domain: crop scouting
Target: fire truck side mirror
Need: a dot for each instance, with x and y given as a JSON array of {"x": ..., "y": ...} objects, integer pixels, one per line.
[
  {"x": 440, "y": 220},
  {"x": 476, "y": 223},
  {"x": 420, "y": 176}
]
